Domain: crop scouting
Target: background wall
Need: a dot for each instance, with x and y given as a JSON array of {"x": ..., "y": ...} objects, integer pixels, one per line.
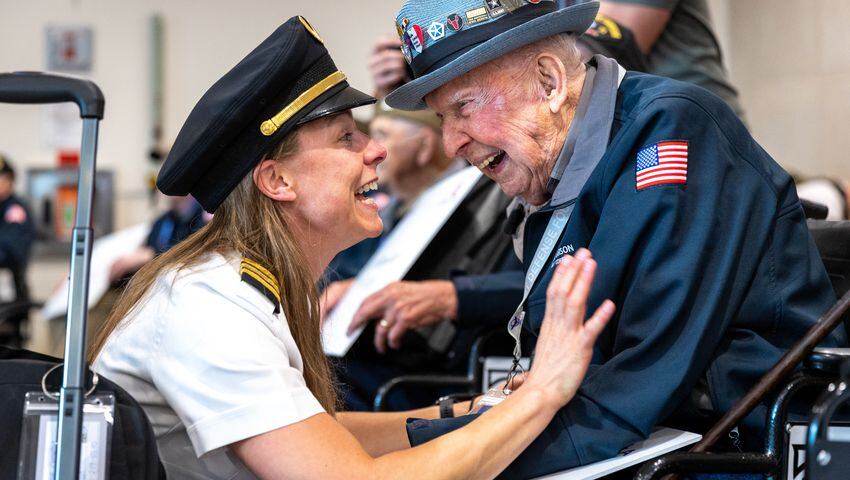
[
  {"x": 791, "y": 63},
  {"x": 202, "y": 40},
  {"x": 789, "y": 59}
]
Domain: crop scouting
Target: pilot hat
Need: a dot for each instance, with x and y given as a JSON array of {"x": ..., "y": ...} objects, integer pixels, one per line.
[{"x": 288, "y": 80}]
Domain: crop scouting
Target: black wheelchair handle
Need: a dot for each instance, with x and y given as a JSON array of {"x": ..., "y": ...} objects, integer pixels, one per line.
[{"x": 37, "y": 87}]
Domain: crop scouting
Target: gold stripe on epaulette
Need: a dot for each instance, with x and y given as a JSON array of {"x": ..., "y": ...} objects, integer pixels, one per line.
[
  {"x": 271, "y": 125},
  {"x": 261, "y": 270},
  {"x": 271, "y": 288},
  {"x": 259, "y": 277}
]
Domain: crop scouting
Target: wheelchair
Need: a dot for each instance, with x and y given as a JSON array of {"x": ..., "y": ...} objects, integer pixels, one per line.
[
  {"x": 826, "y": 452},
  {"x": 824, "y": 369}
]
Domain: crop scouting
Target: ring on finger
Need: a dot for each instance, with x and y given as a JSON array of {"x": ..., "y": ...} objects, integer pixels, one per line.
[{"x": 384, "y": 323}]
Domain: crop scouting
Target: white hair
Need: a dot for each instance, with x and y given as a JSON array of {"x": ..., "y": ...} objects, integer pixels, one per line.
[{"x": 520, "y": 64}]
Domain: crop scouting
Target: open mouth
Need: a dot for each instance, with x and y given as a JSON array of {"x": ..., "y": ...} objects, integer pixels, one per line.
[
  {"x": 491, "y": 163},
  {"x": 360, "y": 193}
]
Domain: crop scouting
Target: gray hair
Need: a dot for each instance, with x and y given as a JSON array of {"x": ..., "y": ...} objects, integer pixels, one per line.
[{"x": 520, "y": 63}]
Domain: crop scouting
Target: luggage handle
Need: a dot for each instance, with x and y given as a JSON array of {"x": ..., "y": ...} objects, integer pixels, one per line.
[{"x": 37, "y": 87}]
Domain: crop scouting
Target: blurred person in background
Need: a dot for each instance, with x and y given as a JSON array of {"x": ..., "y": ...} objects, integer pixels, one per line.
[
  {"x": 17, "y": 234},
  {"x": 415, "y": 161},
  {"x": 678, "y": 40},
  {"x": 183, "y": 218}
]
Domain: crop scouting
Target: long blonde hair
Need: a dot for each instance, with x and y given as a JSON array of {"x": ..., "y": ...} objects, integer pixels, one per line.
[{"x": 252, "y": 225}]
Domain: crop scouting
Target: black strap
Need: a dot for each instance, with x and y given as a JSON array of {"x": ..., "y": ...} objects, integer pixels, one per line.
[{"x": 446, "y": 404}]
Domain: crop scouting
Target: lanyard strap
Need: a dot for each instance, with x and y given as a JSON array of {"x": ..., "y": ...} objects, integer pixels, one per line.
[{"x": 557, "y": 224}]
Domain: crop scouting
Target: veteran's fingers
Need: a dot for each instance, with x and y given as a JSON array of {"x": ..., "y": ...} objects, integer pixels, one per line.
[{"x": 372, "y": 307}]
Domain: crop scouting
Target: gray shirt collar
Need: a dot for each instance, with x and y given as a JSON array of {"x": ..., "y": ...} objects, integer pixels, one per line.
[{"x": 588, "y": 137}]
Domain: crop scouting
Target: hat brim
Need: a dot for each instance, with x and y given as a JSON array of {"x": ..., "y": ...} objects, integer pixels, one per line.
[
  {"x": 345, "y": 99},
  {"x": 577, "y": 19}
]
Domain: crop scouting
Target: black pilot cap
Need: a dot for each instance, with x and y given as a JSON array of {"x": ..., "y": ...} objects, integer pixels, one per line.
[{"x": 288, "y": 80}]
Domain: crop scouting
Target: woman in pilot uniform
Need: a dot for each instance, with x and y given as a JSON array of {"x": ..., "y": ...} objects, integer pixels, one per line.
[{"x": 219, "y": 338}]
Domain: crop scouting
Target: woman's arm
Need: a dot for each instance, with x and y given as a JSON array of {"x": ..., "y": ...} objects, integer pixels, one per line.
[
  {"x": 320, "y": 447},
  {"x": 380, "y": 433}
]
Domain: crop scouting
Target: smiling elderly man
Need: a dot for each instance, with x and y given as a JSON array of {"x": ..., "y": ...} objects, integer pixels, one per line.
[{"x": 699, "y": 234}]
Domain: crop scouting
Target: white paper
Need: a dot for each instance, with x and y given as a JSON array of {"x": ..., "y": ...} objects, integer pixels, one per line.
[
  {"x": 105, "y": 251},
  {"x": 496, "y": 370},
  {"x": 661, "y": 441},
  {"x": 397, "y": 254},
  {"x": 795, "y": 449},
  {"x": 92, "y": 449}
]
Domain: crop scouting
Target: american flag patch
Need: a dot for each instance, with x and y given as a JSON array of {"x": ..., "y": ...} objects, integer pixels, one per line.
[{"x": 663, "y": 163}]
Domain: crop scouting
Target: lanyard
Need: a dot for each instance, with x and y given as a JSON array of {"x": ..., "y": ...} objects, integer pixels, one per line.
[{"x": 556, "y": 226}]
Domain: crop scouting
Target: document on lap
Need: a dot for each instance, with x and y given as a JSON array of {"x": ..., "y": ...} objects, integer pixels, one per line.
[
  {"x": 660, "y": 442},
  {"x": 105, "y": 250},
  {"x": 397, "y": 254}
]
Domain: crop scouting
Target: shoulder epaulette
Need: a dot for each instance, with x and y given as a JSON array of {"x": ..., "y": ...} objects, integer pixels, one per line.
[{"x": 262, "y": 279}]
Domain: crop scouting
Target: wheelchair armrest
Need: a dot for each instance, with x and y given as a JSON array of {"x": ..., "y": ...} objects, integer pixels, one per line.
[
  {"x": 827, "y": 360},
  {"x": 18, "y": 308},
  {"x": 707, "y": 463},
  {"x": 419, "y": 380}
]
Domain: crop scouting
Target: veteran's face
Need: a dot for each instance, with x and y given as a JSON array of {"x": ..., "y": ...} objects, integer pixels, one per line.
[
  {"x": 334, "y": 166},
  {"x": 500, "y": 127}
]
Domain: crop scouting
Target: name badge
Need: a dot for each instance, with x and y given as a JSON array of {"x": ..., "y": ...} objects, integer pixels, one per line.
[{"x": 37, "y": 459}]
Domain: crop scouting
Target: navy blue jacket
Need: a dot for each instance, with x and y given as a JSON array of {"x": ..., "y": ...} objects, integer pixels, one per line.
[
  {"x": 16, "y": 237},
  {"x": 172, "y": 228},
  {"x": 713, "y": 280}
]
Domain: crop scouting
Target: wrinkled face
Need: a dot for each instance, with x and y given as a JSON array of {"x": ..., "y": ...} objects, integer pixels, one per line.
[
  {"x": 402, "y": 141},
  {"x": 332, "y": 169},
  {"x": 495, "y": 122}
]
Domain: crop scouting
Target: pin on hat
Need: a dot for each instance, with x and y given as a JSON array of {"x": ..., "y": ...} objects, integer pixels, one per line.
[
  {"x": 477, "y": 32},
  {"x": 288, "y": 80}
]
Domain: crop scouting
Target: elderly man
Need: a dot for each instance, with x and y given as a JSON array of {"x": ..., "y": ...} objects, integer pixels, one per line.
[{"x": 699, "y": 234}]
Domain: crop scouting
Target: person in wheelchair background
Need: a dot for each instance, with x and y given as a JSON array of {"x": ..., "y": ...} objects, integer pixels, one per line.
[
  {"x": 218, "y": 338},
  {"x": 17, "y": 234}
]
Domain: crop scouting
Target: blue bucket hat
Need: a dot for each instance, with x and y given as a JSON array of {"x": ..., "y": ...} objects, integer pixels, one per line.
[{"x": 443, "y": 39}]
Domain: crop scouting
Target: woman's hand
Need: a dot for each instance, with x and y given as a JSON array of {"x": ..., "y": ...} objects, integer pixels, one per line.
[{"x": 565, "y": 344}]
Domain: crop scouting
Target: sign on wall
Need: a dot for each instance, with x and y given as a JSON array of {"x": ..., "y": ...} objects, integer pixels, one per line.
[{"x": 70, "y": 49}]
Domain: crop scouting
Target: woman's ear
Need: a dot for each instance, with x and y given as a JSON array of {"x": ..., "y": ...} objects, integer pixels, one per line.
[
  {"x": 274, "y": 181},
  {"x": 552, "y": 75}
]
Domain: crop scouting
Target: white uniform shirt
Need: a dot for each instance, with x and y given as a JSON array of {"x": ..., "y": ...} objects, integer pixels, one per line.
[{"x": 211, "y": 364}]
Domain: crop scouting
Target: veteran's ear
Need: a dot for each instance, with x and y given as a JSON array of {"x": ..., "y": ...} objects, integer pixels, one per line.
[
  {"x": 552, "y": 75},
  {"x": 274, "y": 180}
]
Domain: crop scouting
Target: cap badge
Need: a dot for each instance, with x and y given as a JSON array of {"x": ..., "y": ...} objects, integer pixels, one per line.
[
  {"x": 417, "y": 39},
  {"x": 454, "y": 22},
  {"x": 436, "y": 30},
  {"x": 476, "y": 15},
  {"x": 310, "y": 29}
]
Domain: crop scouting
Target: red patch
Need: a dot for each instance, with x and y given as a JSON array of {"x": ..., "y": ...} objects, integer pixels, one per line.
[{"x": 15, "y": 214}]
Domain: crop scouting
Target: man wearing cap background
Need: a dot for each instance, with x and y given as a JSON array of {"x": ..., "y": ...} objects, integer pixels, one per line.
[
  {"x": 17, "y": 233},
  {"x": 701, "y": 240},
  {"x": 415, "y": 161}
]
